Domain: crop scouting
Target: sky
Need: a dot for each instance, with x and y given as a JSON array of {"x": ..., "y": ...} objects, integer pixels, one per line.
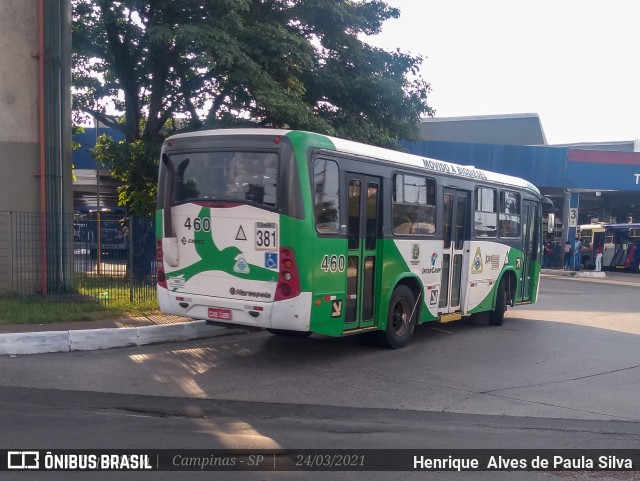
[{"x": 576, "y": 63}]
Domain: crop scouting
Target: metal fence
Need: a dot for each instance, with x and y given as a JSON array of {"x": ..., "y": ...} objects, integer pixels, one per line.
[{"x": 73, "y": 257}]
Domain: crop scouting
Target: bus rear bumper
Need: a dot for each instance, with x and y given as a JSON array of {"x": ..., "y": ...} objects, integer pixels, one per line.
[{"x": 290, "y": 314}]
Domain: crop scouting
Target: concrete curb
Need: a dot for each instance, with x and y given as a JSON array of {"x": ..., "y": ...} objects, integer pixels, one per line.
[
  {"x": 95, "y": 339},
  {"x": 572, "y": 273}
]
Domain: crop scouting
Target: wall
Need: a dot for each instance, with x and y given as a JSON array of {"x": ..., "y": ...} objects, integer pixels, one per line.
[
  {"x": 21, "y": 182},
  {"x": 19, "y": 188}
]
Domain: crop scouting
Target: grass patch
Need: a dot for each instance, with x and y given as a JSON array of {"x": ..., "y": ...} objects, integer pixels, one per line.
[
  {"x": 92, "y": 298},
  {"x": 35, "y": 310}
]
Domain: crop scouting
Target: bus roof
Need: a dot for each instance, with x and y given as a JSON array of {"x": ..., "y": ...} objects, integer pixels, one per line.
[
  {"x": 597, "y": 226},
  {"x": 622, "y": 227},
  {"x": 357, "y": 148}
]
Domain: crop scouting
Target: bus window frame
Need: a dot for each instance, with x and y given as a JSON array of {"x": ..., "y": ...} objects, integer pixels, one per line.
[
  {"x": 519, "y": 214},
  {"x": 430, "y": 182},
  {"x": 338, "y": 230},
  {"x": 477, "y": 187}
]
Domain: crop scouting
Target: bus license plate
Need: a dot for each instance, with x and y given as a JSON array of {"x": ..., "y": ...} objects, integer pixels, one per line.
[{"x": 222, "y": 314}]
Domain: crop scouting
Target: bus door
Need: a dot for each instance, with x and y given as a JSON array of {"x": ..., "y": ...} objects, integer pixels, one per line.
[
  {"x": 529, "y": 247},
  {"x": 363, "y": 228},
  {"x": 456, "y": 228}
]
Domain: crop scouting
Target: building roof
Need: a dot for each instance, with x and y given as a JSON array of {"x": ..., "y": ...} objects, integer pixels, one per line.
[
  {"x": 620, "y": 146},
  {"x": 508, "y": 129}
]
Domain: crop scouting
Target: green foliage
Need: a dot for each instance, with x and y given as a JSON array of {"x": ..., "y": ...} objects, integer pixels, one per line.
[
  {"x": 219, "y": 63},
  {"x": 135, "y": 164}
]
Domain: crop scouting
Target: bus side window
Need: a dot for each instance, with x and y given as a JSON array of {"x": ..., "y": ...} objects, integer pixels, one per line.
[
  {"x": 326, "y": 188},
  {"x": 414, "y": 205},
  {"x": 509, "y": 219},
  {"x": 486, "y": 213}
]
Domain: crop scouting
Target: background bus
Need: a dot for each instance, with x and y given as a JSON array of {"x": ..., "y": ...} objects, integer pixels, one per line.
[
  {"x": 302, "y": 233},
  {"x": 626, "y": 245},
  {"x": 592, "y": 235}
]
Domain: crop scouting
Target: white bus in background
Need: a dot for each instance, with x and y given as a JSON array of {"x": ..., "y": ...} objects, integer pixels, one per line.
[{"x": 591, "y": 235}]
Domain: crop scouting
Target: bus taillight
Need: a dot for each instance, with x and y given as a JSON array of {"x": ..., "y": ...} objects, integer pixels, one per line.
[
  {"x": 288, "y": 280},
  {"x": 160, "y": 275}
]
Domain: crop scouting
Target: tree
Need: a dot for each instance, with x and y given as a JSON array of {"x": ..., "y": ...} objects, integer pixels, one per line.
[{"x": 142, "y": 65}]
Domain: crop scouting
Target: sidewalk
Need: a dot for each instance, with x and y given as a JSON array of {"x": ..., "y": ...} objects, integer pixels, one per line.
[
  {"x": 18, "y": 339},
  {"x": 619, "y": 277}
]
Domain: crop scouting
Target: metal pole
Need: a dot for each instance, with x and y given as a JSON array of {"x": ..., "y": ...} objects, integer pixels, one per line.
[
  {"x": 130, "y": 258},
  {"x": 98, "y": 246}
]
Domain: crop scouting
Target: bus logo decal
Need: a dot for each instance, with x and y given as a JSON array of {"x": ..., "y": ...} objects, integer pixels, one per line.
[
  {"x": 494, "y": 260},
  {"x": 176, "y": 283},
  {"x": 415, "y": 255},
  {"x": 241, "y": 266},
  {"x": 336, "y": 308},
  {"x": 476, "y": 267},
  {"x": 433, "y": 299},
  {"x": 241, "y": 235}
]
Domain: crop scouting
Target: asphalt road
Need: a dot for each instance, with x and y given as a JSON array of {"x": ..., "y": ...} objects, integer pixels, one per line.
[{"x": 564, "y": 373}]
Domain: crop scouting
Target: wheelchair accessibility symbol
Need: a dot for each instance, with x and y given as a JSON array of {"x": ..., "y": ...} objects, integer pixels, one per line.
[{"x": 271, "y": 260}]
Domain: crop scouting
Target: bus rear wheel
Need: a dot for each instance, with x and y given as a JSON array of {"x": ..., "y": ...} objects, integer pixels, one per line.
[
  {"x": 496, "y": 317},
  {"x": 401, "y": 320}
]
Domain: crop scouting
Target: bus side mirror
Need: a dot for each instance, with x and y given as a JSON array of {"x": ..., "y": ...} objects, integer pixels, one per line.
[{"x": 551, "y": 222}]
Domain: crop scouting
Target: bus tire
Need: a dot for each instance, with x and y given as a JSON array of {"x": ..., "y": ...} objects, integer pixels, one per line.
[
  {"x": 290, "y": 334},
  {"x": 496, "y": 318},
  {"x": 400, "y": 322}
]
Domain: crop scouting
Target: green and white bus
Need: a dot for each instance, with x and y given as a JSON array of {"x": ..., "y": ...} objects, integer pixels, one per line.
[{"x": 301, "y": 233}]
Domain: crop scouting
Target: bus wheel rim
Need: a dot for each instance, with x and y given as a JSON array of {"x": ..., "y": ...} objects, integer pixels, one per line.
[{"x": 400, "y": 317}]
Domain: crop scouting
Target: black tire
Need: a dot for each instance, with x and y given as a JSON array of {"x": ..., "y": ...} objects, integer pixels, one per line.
[
  {"x": 496, "y": 318},
  {"x": 290, "y": 334},
  {"x": 400, "y": 322}
]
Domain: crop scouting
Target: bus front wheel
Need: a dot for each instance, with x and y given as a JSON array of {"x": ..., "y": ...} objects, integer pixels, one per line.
[
  {"x": 496, "y": 318},
  {"x": 401, "y": 320}
]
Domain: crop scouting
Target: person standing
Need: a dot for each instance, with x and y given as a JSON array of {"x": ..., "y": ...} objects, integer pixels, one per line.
[
  {"x": 599, "y": 251},
  {"x": 567, "y": 255},
  {"x": 577, "y": 248},
  {"x": 548, "y": 255}
]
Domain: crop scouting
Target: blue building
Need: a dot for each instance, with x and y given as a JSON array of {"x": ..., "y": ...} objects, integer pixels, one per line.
[
  {"x": 89, "y": 175},
  {"x": 599, "y": 181}
]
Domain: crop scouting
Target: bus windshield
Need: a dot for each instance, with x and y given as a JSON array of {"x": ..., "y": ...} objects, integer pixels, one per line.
[{"x": 227, "y": 176}]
